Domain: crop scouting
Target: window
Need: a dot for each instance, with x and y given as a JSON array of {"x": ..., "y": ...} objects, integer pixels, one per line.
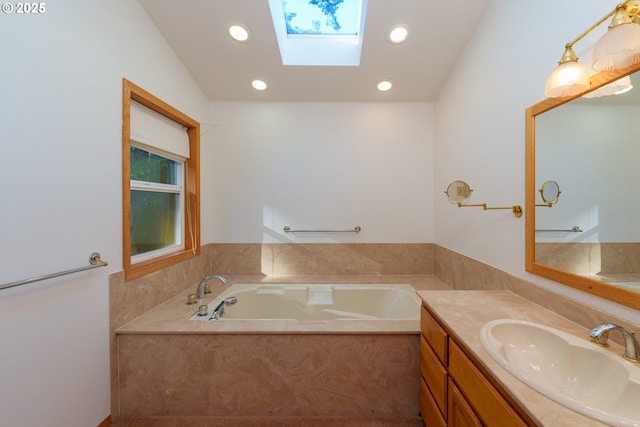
[
  {"x": 161, "y": 214},
  {"x": 157, "y": 198}
]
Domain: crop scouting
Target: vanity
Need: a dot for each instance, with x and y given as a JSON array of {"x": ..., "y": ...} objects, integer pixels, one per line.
[{"x": 462, "y": 385}]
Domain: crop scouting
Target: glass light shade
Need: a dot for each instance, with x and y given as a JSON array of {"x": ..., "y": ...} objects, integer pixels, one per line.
[
  {"x": 567, "y": 79},
  {"x": 614, "y": 88},
  {"x": 617, "y": 48}
]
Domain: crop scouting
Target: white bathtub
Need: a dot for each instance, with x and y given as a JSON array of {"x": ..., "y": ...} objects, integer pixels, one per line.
[{"x": 319, "y": 302}]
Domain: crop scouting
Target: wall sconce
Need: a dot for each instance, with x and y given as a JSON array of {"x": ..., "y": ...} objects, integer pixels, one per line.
[
  {"x": 459, "y": 192},
  {"x": 618, "y": 48}
]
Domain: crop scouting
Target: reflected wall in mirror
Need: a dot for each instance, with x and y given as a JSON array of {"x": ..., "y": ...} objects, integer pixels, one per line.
[{"x": 591, "y": 240}]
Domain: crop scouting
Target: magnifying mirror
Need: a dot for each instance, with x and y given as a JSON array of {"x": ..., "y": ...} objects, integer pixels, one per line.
[
  {"x": 458, "y": 192},
  {"x": 550, "y": 193}
]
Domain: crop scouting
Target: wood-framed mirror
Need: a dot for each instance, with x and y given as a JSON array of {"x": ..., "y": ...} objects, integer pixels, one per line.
[{"x": 590, "y": 239}]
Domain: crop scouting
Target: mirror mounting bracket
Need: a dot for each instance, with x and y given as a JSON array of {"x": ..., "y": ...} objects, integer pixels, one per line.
[
  {"x": 458, "y": 192},
  {"x": 516, "y": 209}
]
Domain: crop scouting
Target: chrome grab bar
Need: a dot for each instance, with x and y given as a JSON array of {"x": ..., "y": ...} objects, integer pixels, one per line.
[
  {"x": 356, "y": 229},
  {"x": 575, "y": 229},
  {"x": 94, "y": 260}
]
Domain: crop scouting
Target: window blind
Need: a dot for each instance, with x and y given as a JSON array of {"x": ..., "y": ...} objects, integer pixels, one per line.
[{"x": 154, "y": 130}]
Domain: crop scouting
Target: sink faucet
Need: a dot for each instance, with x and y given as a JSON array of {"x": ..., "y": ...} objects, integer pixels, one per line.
[
  {"x": 200, "y": 291},
  {"x": 600, "y": 334},
  {"x": 218, "y": 312}
]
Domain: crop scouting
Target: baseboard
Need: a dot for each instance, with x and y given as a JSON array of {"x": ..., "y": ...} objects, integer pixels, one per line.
[{"x": 106, "y": 422}]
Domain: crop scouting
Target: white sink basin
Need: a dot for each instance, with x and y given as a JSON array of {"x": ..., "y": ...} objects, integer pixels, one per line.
[{"x": 569, "y": 370}]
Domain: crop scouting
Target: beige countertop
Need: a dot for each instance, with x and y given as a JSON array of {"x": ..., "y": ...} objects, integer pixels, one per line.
[
  {"x": 172, "y": 316},
  {"x": 465, "y": 312}
]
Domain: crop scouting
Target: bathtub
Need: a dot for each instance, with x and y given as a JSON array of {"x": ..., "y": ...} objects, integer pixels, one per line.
[
  {"x": 297, "y": 351},
  {"x": 318, "y": 302}
]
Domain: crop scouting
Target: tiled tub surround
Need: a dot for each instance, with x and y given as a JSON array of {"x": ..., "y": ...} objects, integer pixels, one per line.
[
  {"x": 269, "y": 375},
  {"x": 129, "y": 300},
  {"x": 432, "y": 266},
  {"x": 171, "y": 366},
  {"x": 463, "y": 313}
]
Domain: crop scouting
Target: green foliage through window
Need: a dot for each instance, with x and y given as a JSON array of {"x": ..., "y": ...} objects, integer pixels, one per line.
[
  {"x": 147, "y": 166},
  {"x": 156, "y": 199}
]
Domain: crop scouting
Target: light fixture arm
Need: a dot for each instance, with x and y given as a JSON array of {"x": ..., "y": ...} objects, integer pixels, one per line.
[
  {"x": 631, "y": 7},
  {"x": 594, "y": 26},
  {"x": 571, "y": 78}
]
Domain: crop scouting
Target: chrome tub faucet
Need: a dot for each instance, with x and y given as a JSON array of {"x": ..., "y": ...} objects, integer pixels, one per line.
[
  {"x": 600, "y": 335},
  {"x": 218, "y": 312},
  {"x": 203, "y": 288}
]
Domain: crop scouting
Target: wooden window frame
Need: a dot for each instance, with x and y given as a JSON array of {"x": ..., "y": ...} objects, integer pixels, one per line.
[{"x": 191, "y": 218}]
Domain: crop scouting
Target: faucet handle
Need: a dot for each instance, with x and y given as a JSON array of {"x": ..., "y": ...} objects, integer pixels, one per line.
[
  {"x": 203, "y": 310},
  {"x": 600, "y": 334},
  {"x": 191, "y": 299}
]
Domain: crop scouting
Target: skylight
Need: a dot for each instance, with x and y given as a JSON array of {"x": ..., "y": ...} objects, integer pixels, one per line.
[
  {"x": 319, "y": 32},
  {"x": 315, "y": 17}
]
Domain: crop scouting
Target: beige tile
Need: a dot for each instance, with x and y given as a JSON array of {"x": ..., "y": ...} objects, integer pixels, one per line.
[{"x": 269, "y": 375}]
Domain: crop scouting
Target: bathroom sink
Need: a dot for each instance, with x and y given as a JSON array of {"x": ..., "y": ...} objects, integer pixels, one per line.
[{"x": 569, "y": 370}]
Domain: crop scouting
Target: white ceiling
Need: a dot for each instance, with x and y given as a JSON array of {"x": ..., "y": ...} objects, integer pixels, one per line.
[{"x": 196, "y": 31}]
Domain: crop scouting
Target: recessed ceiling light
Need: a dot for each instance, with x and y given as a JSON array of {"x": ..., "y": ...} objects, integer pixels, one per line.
[
  {"x": 239, "y": 32},
  {"x": 384, "y": 85},
  {"x": 398, "y": 33},
  {"x": 258, "y": 84}
]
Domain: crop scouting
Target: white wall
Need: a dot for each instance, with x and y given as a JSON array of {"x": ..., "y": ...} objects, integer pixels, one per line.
[
  {"x": 322, "y": 166},
  {"x": 60, "y": 195},
  {"x": 479, "y": 117}
]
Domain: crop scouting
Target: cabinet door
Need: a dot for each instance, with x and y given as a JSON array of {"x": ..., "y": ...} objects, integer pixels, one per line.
[
  {"x": 460, "y": 413},
  {"x": 485, "y": 400},
  {"x": 430, "y": 411}
]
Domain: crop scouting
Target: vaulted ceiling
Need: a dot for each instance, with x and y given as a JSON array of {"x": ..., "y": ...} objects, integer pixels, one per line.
[{"x": 197, "y": 31}]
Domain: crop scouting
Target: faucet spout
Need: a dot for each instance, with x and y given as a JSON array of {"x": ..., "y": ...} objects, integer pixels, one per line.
[
  {"x": 218, "y": 312},
  {"x": 200, "y": 291},
  {"x": 600, "y": 335}
]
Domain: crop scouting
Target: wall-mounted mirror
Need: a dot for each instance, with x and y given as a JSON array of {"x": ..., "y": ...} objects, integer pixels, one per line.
[
  {"x": 550, "y": 193},
  {"x": 591, "y": 240},
  {"x": 458, "y": 192}
]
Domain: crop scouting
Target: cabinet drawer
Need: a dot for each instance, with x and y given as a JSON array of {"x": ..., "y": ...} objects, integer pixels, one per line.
[
  {"x": 430, "y": 412},
  {"x": 434, "y": 334},
  {"x": 485, "y": 400},
  {"x": 434, "y": 375}
]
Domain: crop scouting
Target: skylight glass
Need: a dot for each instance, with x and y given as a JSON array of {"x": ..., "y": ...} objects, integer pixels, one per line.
[
  {"x": 322, "y": 17},
  {"x": 319, "y": 32}
]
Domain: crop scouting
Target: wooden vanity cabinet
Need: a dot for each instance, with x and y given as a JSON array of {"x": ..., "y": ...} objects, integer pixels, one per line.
[
  {"x": 454, "y": 392},
  {"x": 459, "y": 411}
]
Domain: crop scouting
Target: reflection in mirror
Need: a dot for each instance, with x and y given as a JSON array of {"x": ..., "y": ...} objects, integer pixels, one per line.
[
  {"x": 458, "y": 192},
  {"x": 550, "y": 193},
  {"x": 592, "y": 146}
]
